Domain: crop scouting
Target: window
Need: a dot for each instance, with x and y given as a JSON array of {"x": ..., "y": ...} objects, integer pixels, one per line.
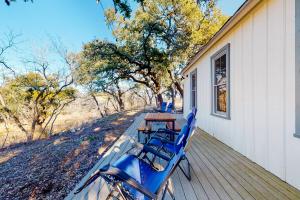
[
  {"x": 220, "y": 83},
  {"x": 193, "y": 88}
]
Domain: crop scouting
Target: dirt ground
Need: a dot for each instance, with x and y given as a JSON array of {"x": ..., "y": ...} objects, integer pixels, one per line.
[{"x": 50, "y": 168}]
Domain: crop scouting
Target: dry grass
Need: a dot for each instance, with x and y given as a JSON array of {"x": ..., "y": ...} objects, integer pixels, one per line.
[
  {"x": 80, "y": 112},
  {"x": 50, "y": 168}
]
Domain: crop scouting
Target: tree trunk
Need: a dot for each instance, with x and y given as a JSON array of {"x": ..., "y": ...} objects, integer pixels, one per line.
[
  {"x": 113, "y": 104},
  {"x": 39, "y": 129},
  {"x": 173, "y": 96},
  {"x": 7, "y": 130},
  {"x": 14, "y": 117},
  {"x": 33, "y": 129},
  {"x": 179, "y": 88},
  {"x": 19, "y": 124},
  {"x": 121, "y": 104},
  {"x": 159, "y": 99},
  {"x": 176, "y": 83},
  {"x": 119, "y": 100},
  {"x": 97, "y": 103},
  {"x": 150, "y": 97},
  {"x": 52, "y": 124}
]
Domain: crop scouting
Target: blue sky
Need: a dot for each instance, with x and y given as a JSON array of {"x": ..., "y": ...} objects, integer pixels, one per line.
[{"x": 72, "y": 21}]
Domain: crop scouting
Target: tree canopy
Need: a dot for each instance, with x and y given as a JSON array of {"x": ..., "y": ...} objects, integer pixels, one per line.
[
  {"x": 152, "y": 47},
  {"x": 124, "y": 7},
  {"x": 35, "y": 98}
]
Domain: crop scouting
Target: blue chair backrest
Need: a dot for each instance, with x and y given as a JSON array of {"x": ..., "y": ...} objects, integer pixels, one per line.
[
  {"x": 163, "y": 106},
  {"x": 171, "y": 166},
  {"x": 181, "y": 137},
  {"x": 190, "y": 133},
  {"x": 194, "y": 110},
  {"x": 170, "y": 108},
  {"x": 190, "y": 118},
  {"x": 184, "y": 133}
]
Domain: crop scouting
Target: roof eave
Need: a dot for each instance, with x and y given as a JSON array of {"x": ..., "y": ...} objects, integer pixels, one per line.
[{"x": 231, "y": 22}]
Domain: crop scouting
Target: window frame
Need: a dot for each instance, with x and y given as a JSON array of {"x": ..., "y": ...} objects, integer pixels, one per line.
[
  {"x": 194, "y": 72},
  {"x": 223, "y": 51}
]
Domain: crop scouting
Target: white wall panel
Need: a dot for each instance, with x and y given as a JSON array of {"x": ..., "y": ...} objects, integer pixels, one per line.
[
  {"x": 292, "y": 144},
  {"x": 260, "y": 84},
  {"x": 275, "y": 86},
  {"x": 262, "y": 90}
]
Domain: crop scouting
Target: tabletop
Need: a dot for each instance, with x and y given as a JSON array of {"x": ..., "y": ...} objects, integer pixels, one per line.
[{"x": 160, "y": 117}]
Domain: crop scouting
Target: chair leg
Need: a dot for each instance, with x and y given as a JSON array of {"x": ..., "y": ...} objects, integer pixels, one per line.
[
  {"x": 167, "y": 189},
  {"x": 121, "y": 193},
  {"x": 116, "y": 192},
  {"x": 110, "y": 195},
  {"x": 171, "y": 193},
  {"x": 188, "y": 174}
]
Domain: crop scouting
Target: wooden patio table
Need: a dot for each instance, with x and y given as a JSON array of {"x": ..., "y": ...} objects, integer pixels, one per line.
[{"x": 159, "y": 117}]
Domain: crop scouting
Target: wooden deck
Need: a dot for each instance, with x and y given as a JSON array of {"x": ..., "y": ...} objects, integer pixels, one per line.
[{"x": 218, "y": 172}]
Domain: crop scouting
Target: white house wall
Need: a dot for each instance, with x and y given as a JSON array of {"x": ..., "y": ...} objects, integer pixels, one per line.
[{"x": 262, "y": 87}]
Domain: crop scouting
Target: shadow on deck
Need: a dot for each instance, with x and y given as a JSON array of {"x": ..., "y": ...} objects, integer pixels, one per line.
[{"x": 218, "y": 172}]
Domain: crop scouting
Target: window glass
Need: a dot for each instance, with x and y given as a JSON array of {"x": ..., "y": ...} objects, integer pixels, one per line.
[
  {"x": 220, "y": 82},
  {"x": 194, "y": 89}
]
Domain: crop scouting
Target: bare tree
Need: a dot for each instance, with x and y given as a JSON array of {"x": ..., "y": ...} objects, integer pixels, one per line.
[
  {"x": 51, "y": 90},
  {"x": 7, "y": 44},
  {"x": 4, "y": 118},
  {"x": 94, "y": 97},
  {"x": 33, "y": 100}
]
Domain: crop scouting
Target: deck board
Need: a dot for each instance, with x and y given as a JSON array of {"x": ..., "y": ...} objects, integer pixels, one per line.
[
  {"x": 234, "y": 156},
  {"x": 218, "y": 172}
]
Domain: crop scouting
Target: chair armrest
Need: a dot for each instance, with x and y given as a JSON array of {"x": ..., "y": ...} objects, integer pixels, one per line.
[
  {"x": 148, "y": 149},
  {"x": 168, "y": 131},
  {"x": 124, "y": 177},
  {"x": 119, "y": 174},
  {"x": 88, "y": 182},
  {"x": 163, "y": 140},
  {"x": 136, "y": 146}
]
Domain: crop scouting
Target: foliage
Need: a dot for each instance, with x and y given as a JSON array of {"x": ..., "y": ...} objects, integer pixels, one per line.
[
  {"x": 120, "y": 5},
  {"x": 35, "y": 99},
  {"x": 97, "y": 79},
  {"x": 8, "y": 2},
  {"x": 153, "y": 46},
  {"x": 124, "y": 8}
]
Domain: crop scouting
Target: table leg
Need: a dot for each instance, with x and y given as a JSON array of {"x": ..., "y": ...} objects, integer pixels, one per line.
[
  {"x": 146, "y": 138},
  {"x": 173, "y": 126}
]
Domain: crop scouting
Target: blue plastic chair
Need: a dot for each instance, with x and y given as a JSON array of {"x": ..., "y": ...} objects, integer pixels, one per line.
[
  {"x": 194, "y": 110},
  {"x": 163, "y": 107},
  {"x": 167, "y": 146},
  {"x": 132, "y": 177},
  {"x": 168, "y": 133},
  {"x": 169, "y": 108},
  {"x": 135, "y": 176}
]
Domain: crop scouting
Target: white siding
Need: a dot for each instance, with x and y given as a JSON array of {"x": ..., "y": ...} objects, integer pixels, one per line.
[{"x": 262, "y": 90}]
